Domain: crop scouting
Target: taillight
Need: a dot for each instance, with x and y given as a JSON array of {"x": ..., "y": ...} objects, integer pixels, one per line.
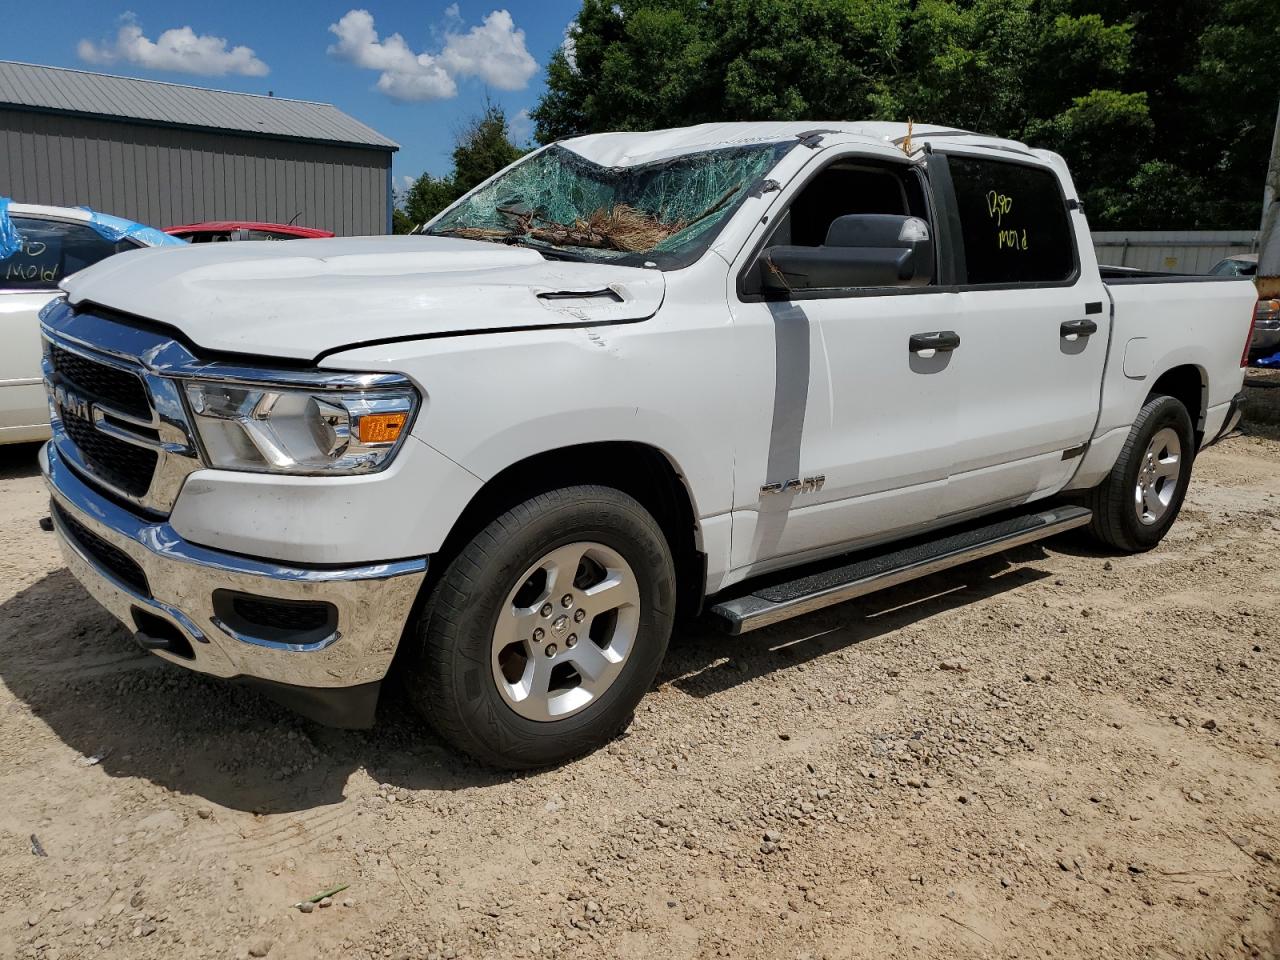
[{"x": 1248, "y": 335}]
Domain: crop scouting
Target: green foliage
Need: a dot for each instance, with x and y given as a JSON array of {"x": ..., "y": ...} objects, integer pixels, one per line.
[
  {"x": 1102, "y": 132},
  {"x": 1142, "y": 97},
  {"x": 481, "y": 149}
]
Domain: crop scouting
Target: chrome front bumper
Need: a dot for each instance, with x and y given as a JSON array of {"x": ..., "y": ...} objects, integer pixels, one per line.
[{"x": 373, "y": 601}]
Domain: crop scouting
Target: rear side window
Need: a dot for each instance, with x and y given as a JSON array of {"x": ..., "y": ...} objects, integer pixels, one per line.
[
  {"x": 1235, "y": 268},
  {"x": 51, "y": 250},
  {"x": 1013, "y": 222}
]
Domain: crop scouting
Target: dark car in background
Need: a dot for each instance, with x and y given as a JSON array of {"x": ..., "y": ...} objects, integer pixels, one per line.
[{"x": 218, "y": 231}]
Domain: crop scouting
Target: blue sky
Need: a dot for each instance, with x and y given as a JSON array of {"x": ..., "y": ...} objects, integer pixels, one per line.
[{"x": 414, "y": 71}]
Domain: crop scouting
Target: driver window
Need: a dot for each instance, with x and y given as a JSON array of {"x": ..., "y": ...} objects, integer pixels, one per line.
[
  {"x": 840, "y": 190},
  {"x": 843, "y": 188}
]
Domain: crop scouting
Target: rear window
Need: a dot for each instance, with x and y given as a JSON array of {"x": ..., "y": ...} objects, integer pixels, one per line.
[
  {"x": 1236, "y": 268},
  {"x": 1013, "y": 222},
  {"x": 51, "y": 250}
]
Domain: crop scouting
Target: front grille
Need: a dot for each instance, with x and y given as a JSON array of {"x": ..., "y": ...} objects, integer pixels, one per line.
[
  {"x": 116, "y": 388},
  {"x": 111, "y": 559},
  {"x": 125, "y": 466}
]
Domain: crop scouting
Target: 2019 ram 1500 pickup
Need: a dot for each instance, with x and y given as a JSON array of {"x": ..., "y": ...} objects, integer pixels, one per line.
[{"x": 752, "y": 369}]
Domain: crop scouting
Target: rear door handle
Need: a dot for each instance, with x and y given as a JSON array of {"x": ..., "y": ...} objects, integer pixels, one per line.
[
  {"x": 943, "y": 341},
  {"x": 1078, "y": 328}
]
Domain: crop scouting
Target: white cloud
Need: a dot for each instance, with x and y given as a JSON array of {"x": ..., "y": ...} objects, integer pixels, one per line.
[
  {"x": 180, "y": 49},
  {"x": 521, "y": 127},
  {"x": 405, "y": 75},
  {"x": 570, "y": 45},
  {"x": 494, "y": 52}
]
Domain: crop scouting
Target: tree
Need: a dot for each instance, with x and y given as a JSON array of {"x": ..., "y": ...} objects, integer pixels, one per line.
[
  {"x": 481, "y": 149},
  {"x": 1140, "y": 96}
]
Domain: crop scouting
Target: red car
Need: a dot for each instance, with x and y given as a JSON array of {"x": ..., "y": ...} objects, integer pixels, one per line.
[{"x": 216, "y": 231}]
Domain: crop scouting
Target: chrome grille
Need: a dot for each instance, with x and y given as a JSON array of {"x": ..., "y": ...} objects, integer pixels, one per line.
[
  {"x": 123, "y": 465},
  {"x": 120, "y": 389},
  {"x": 117, "y": 420}
]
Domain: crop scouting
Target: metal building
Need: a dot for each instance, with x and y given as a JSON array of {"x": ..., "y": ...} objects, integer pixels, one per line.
[{"x": 165, "y": 154}]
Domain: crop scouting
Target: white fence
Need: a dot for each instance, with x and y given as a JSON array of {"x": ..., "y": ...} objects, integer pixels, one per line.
[{"x": 1181, "y": 251}]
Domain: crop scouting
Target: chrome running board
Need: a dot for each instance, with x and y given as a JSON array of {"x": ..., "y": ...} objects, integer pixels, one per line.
[{"x": 868, "y": 572}]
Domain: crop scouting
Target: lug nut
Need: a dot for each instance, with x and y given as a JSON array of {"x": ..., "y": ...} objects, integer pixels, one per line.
[
  {"x": 551, "y": 650},
  {"x": 539, "y": 633},
  {"x": 579, "y": 615},
  {"x": 566, "y": 601},
  {"x": 546, "y": 609},
  {"x": 571, "y": 640}
]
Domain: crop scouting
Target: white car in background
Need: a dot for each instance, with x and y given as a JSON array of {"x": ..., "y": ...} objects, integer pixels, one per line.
[{"x": 51, "y": 243}]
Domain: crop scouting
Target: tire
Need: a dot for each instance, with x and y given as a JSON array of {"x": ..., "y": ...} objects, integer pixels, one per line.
[
  {"x": 512, "y": 701},
  {"x": 1133, "y": 518}
]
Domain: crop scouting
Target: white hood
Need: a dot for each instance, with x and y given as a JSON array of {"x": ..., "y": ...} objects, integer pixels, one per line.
[{"x": 301, "y": 298}]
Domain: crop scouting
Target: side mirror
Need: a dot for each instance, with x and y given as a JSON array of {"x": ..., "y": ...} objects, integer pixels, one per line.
[{"x": 861, "y": 250}]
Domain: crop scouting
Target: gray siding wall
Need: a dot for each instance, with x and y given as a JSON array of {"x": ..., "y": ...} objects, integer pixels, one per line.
[
  {"x": 164, "y": 176},
  {"x": 1183, "y": 251}
]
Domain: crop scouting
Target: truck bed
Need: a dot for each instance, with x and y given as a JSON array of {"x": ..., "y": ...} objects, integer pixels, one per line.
[{"x": 1114, "y": 276}]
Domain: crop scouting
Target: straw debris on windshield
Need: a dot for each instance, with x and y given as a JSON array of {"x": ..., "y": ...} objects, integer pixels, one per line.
[{"x": 622, "y": 227}]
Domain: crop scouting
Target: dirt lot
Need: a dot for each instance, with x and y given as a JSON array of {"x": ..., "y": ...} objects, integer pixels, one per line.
[{"x": 1050, "y": 753}]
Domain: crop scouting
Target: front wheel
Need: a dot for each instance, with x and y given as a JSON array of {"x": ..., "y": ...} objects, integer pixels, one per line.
[
  {"x": 1134, "y": 507},
  {"x": 546, "y": 629}
]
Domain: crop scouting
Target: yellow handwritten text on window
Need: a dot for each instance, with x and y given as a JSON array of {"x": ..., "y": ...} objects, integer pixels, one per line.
[
  {"x": 1012, "y": 239},
  {"x": 998, "y": 205}
]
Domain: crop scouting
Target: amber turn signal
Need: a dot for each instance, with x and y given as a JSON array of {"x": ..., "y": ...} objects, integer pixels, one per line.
[{"x": 382, "y": 427}]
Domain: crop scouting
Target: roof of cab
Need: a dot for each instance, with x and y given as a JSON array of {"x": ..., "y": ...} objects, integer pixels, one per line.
[{"x": 629, "y": 149}]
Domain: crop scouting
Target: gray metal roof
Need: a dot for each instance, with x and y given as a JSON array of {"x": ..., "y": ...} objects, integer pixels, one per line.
[{"x": 150, "y": 101}]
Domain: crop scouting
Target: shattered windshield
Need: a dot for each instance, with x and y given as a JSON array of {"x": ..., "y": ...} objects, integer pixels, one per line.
[{"x": 665, "y": 213}]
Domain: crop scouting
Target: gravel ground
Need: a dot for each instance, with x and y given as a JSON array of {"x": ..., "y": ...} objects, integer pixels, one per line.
[{"x": 1048, "y": 753}]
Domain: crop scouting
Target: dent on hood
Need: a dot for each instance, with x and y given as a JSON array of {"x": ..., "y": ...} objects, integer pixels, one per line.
[{"x": 305, "y": 304}]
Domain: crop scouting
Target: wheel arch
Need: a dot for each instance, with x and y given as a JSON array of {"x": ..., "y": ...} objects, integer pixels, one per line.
[
  {"x": 640, "y": 470},
  {"x": 1187, "y": 383}
]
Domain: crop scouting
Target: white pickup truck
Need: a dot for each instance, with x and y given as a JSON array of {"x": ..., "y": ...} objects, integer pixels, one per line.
[{"x": 743, "y": 369}]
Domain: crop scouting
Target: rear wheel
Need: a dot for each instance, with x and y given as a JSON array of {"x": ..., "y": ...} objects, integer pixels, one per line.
[
  {"x": 1134, "y": 507},
  {"x": 544, "y": 632}
]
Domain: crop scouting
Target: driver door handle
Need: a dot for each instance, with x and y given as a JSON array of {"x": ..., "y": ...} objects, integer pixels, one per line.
[
  {"x": 943, "y": 341},
  {"x": 1078, "y": 328}
]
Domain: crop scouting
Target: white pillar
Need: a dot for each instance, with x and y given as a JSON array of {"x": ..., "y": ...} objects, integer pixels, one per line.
[{"x": 1269, "y": 247}]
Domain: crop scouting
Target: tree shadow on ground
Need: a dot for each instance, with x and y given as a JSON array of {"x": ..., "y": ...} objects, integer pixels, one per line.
[{"x": 78, "y": 670}]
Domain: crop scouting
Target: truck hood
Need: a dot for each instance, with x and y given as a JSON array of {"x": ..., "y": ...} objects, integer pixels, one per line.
[{"x": 299, "y": 299}]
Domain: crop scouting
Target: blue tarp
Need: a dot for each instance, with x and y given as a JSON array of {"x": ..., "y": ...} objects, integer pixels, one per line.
[
  {"x": 9, "y": 239},
  {"x": 116, "y": 229},
  {"x": 110, "y": 228},
  {"x": 1271, "y": 361}
]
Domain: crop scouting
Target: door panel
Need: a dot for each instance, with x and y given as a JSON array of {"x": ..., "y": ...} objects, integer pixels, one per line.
[
  {"x": 853, "y": 405},
  {"x": 22, "y": 397},
  {"x": 849, "y": 430},
  {"x": 1035, "y": 321},
  {"x": 1024, "y": 391}
]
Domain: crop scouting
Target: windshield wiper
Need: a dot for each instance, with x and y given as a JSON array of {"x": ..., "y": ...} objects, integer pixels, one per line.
[{"x": 512, "y": 238}]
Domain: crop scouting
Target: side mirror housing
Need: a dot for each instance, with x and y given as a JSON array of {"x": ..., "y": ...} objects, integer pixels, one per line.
[{"x": 861, "y": 250}]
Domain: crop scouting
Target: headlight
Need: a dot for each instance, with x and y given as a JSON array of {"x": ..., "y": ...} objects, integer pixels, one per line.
[{"x": 268, "y": 428}]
